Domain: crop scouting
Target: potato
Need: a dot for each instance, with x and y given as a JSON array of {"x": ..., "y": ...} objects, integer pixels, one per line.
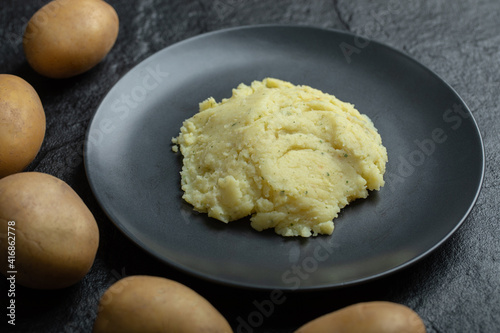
[
  {"x": 68, "y": 37},
  {"x": 55, "y": 236},
  {"x": 22, "y": 124},
  {"x": 154, "y": 304},
  {"x": 369, "y": 317}
]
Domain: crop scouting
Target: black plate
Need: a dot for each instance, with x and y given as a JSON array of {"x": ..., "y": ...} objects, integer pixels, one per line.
[{"x": 434, "y": 173}]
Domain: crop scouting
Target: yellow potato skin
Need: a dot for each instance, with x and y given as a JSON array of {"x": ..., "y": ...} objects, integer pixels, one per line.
[
  {"x": 56, "y": 235},
  {"x": 369, "y": 317},
  {"x": 68, "y": 37},
  {"x": 153, "y": 304},
  {"x": 22, "y": 124}
]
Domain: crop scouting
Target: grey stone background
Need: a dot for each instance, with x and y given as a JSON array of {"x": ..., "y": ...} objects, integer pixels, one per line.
[{"x": 455, "y": 289}]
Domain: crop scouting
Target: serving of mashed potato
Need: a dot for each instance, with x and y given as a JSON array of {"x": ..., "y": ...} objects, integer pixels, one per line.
[{"x": 290, "y": 156}]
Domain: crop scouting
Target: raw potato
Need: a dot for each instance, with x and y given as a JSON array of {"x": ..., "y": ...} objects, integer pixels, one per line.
[
  {"x": 370, "y": 317},
  {"x": 68, "y": 37},
  {"x": 22, "y": 124},
  {"x": 56, "y": 235},
  {"x": 154, "y": 304}
]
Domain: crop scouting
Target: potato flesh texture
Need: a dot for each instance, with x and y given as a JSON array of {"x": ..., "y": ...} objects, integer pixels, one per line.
[
  {"x": 56, "y": 234},
  {"x": 64, "y": 39},
  {"x": 370, "y": 317},
  {"x": 252, "y": 133},
  {"x": 22, "y": 124},
  {"x": 153, "y": 304}
]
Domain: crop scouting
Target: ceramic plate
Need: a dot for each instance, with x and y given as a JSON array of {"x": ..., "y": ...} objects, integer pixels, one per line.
[{"x": 434, "y": 173}]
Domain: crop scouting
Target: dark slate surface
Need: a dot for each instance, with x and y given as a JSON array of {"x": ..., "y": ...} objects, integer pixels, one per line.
[{"x": 455, "y": 289}]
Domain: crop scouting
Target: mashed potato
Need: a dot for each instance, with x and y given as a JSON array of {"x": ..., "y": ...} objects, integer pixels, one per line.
[{"x": 289, "y": 156}]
